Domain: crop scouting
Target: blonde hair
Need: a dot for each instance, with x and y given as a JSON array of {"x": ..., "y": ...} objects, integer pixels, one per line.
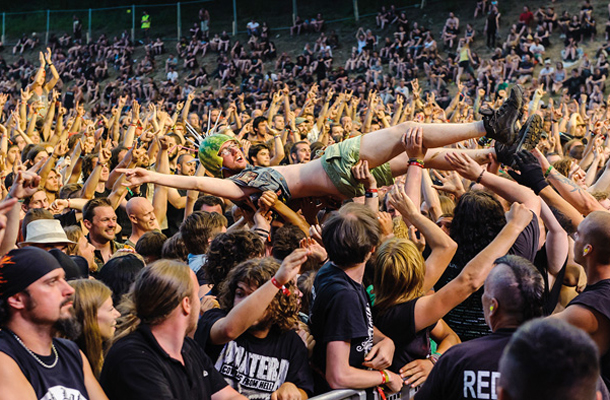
[
  {"x": 157, "y": 291},
  {"x": 399, "y": 273},
  {"x": 89, "y": 296},
  {"x": 74, "y": 233}
]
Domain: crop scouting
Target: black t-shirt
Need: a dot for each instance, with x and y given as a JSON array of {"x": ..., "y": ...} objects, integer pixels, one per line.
[
  {"x": 597, "y": 297},
  {"x": 467, "y": 319},
  {"x": 66, "y": 380},
  {"x": 174, "y": 217},
  {"x": 340, "y": 312},
  {"x": 551, "y": 294},
  {"x": 468, "y": 370},
  {"x": 528, "y": 65},
  {"x": 257, "y": 367},
  {"x": 136, "y": 367},
  {"x": 398, "y": 323}
]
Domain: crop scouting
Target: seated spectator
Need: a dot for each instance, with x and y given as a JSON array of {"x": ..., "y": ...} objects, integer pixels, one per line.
[
  {"x": 525, "y": 18},
  {"x": 253, "y": 28}
]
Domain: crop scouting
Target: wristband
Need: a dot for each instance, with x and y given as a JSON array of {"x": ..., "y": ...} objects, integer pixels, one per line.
[
  {"x": 434, "y": 357},
  {"x": 548, "y": 171},
  {"x": 480, "y": 177},
  {"x": 284, "y": 289},
  {"x": 384, "y": 377},
  {"x": 417, "y": 162},
  {"x": 69, "y": 203},
  {"x": 370, "y": 195}
]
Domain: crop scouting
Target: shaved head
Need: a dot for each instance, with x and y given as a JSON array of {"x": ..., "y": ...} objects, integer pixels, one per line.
[
  {"x": 518, "y": 288},
  {"x": 596, "y": 231}
]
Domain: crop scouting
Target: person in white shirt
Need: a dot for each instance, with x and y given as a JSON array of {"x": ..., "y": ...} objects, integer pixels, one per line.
[
  {"x": 172, "y": 75},
  {"x": 546, "y": 73}
]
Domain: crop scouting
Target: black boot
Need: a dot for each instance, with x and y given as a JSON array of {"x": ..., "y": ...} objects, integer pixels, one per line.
[{"x": 500, "y": 124}]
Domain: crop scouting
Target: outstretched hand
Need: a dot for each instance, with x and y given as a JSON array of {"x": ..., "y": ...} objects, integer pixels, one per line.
[
  {"x": 530, "y": 173},
  {"x": 136, "y": 176},
  {"x": 464, "y": 165}
]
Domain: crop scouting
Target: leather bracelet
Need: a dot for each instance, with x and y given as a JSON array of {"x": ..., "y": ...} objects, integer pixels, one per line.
[{"x": 480, "y": 177}]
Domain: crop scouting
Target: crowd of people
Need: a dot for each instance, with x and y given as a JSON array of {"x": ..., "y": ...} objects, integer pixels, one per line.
[{"x": 309, "y": 227}]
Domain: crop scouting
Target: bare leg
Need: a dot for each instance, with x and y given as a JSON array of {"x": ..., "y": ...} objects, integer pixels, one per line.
[
  {"x": 435, "y": 158},
  {"x": 383, "y": 145}
]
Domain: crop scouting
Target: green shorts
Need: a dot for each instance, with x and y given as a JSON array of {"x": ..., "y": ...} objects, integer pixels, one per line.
[{"x": 338, "y": 161}]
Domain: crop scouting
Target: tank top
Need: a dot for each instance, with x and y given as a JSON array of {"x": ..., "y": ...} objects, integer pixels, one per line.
[
  {"x": 65, "y": 380},
  {"x": 464, "y": 55}
]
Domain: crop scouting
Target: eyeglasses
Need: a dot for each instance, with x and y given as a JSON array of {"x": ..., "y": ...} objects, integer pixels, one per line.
[{"x": 228, "y": 150}]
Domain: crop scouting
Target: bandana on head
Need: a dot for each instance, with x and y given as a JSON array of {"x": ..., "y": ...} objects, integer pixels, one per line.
[{"x": 22, "y": 267}]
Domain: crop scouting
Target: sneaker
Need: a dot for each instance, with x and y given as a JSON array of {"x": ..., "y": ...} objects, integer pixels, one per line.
[
  {"x": 500, "y": 124},
  {"x": 529, "y": 136}
]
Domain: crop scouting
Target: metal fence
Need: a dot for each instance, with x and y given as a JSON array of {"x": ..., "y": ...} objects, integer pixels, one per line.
[{"x": 171, "y": 21}]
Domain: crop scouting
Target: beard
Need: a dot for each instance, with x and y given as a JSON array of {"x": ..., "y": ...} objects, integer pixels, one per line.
[{"x": 68, "y": 328}]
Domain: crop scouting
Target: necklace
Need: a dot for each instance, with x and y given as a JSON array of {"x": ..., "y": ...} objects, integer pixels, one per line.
[{"x": 35, "y": 356}]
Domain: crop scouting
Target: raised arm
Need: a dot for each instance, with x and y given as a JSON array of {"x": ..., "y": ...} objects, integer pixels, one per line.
[
  {"x": 510, "y": 191},
  {"x": 443, "y": 247},
  {"x": 531, "y": 176},
  {"x": 431, "y": 308},
  {"x": 160, "y": 196},
  {"x": 252, "y": 308}
]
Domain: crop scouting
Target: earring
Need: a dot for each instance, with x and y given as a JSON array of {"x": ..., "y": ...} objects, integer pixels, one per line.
[
  {"x": 586, "y": 250},
  {"x": 491, "y": 308}
]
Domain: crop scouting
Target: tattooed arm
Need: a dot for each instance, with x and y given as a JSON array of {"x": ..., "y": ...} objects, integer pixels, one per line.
[{"x": 574, "y": 194}]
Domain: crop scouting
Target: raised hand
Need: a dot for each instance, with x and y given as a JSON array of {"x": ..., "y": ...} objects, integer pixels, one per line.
[
  {"x": 362, "y": 174},
  {"x": 291, "y": 265},
  {"x": 25, "y": 185},
  {"x": 464, "y": 165},
  {"x": 413, "y": 142},
  {"x": 48, "y": 55}
]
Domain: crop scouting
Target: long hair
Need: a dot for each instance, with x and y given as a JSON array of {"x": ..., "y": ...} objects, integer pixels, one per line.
[
  {"x": 398, "y": 274},
  {"x": 283, "y": 310},
  {"x": 89, "y": 296},
  {"x": 478, "y": 218},
  {"x": 157, "y": 291},
  {"x": 229, "y": 249},
  {"x": 74, "y": 233}
]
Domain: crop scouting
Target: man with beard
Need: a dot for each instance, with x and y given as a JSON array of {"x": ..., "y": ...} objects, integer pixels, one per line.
[
  {"x": 51, "y": 185},
  {"x": 101, "y": 221},
  {"x": 34, "y": 296},
  {"x": 152, "y": 357},
  {"x": 252, "y": 337},
  {"x": 175, "y": 143}
]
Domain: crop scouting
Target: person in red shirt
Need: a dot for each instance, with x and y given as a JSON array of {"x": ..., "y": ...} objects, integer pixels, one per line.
[{"x": 525, "y": 18}]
